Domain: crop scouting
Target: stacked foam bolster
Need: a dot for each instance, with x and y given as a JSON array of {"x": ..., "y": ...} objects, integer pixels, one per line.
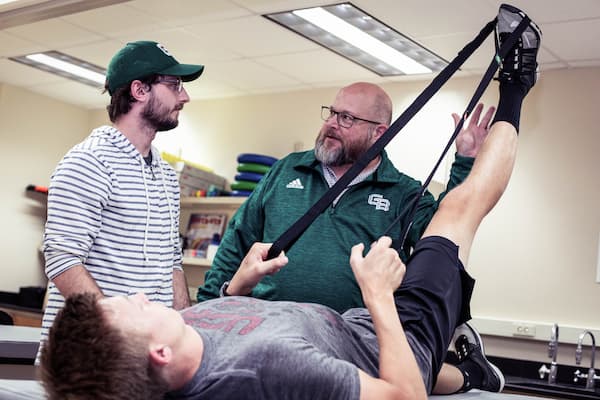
[{"x": 251, "y": 168}]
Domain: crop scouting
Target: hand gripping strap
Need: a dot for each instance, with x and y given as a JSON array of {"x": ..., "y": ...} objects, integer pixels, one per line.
[{"x": 289, "y": 237}]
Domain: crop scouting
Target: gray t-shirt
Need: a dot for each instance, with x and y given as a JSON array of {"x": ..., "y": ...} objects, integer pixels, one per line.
[{"x": 256, "y": 349}]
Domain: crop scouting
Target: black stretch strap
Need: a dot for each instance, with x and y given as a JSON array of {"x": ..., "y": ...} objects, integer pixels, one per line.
[
  {"x": 289, "y": 237},
  {"x": 483, "y": 84}
]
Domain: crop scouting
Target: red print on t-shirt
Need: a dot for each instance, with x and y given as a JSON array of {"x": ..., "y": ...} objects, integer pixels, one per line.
[{"x": 238, "y": 318}]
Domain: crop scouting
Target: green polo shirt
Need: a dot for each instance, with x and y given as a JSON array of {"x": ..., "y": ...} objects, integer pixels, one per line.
[{"x": 318, "y": 270}]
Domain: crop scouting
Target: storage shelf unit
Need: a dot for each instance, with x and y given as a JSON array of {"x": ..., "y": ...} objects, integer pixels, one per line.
[{"x": 195, "y": 268}]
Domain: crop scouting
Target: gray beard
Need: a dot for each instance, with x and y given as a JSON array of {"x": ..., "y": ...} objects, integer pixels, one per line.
[
  {"x": 342, "y": 156},
  {"x": 333, "y": 158}
]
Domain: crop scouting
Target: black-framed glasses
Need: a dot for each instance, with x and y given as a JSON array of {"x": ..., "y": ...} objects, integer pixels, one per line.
[
  {"x": 344, "y": 119},
  {"x": 173, "y": 82}
]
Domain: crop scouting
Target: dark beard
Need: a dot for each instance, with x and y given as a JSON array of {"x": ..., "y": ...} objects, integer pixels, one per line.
[{"x": 157, "y": 117}]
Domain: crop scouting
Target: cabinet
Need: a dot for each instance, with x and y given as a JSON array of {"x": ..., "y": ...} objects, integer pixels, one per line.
[
  {"x": 195, "y": 268},
  {"x": 22, "y": 316}
]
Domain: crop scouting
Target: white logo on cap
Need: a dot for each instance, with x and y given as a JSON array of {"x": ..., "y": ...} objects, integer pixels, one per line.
[{"x": 163, "y": 49}]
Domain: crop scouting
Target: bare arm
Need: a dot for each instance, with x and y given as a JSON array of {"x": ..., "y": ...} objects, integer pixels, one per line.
[
  {"x": 181, "y": 295},
  {"x": 253, "y": 268},
  {"x": 378, "y": 275},
  {"x": 76, "y": 279}
]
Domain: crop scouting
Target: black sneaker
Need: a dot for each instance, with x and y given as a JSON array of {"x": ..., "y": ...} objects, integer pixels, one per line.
[
  {"x": 520, "y": 64},
  {"x": 469, "y": 349}
]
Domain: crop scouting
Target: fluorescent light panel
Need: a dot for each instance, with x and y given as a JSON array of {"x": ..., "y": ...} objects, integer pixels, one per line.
[
  {"x": 66, "y": 66},
  {"x": 356, "y": 35}
]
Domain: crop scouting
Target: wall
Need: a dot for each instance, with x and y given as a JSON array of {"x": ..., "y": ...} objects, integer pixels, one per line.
[
  {"x": 535, "y": 256},
  {"x": 35, "y": 132}
]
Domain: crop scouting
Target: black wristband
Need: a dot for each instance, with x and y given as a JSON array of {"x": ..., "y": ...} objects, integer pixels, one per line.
[{"x": 223, "y": 289}]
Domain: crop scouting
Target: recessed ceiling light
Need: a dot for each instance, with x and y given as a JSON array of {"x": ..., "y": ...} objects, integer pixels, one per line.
[
  {"x": 360, "y": 37},
  {"x": 66, "y": 66}
]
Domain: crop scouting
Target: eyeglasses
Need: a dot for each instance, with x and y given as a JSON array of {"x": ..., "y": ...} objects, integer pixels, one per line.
[
  {"x": 343, "y": 118},
  {"x": 174, "y": 83}
]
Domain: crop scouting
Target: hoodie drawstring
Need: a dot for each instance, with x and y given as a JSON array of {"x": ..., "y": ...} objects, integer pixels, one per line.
[
  {"x": 145, "y": 253},
  {"x": 169, "y": 205},
  {"x": 172, "y": 232}
]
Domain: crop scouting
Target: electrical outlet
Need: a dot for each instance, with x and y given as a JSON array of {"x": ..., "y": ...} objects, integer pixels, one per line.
[{"x": 523, "y": 329}]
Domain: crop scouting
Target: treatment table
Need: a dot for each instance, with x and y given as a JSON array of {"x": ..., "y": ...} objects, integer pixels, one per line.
[{"x": 17, "y": 381}]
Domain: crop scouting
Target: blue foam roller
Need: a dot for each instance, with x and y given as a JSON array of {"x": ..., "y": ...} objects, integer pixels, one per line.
[
  {"x": 240, "y": 193},
  {"x": 256, "y": 159},
  {"x": 248, "y": 176}
]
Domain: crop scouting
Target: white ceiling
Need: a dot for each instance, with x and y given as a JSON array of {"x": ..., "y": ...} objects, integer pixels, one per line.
[{"x": 245, "y": 53}]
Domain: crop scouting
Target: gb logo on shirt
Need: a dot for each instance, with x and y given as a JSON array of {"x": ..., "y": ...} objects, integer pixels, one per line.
[{"x": 379, "y": 202}]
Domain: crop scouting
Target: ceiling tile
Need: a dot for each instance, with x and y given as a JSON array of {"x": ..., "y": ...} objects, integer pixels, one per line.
[
  {"x": 10, "y": 45},
  {"x": 210, "y": 89},
  {"x": 279, "y": 89},
  {"x": 185, "y": 12},
  {"x": 562, "y": 39},
  {"x": 268, "y": 6},
  {"x": 418, "y": 18},
  {"x": 74, "y": 93},
  {"x": 98, "y": 53},
  {"x": 248, "y": 75},
  {"x": 253, "y": 36},
  {"x": 191, "y": 48},
  {"x": 542, "y": 11},
  {"x": 320, "y": 67},
  {"x": 54, "y": 33},
  {"x": 449, "y": 45},
  {"x": 116, "y": 20},
  {"x": 583, "y": 64}
]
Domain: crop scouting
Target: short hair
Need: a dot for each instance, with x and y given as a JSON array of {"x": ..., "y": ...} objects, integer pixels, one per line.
[
  {"x": 121, "y": 100},
  {"x": 382, "y": 105},
  {"x": 85, "y": 357}
]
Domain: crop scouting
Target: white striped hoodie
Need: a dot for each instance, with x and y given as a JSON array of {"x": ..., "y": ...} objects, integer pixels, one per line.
[{"x": 119, "y": 217}]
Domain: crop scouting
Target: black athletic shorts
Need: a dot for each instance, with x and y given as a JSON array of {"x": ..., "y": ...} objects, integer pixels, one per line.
[{"x": 432, "y": 300}]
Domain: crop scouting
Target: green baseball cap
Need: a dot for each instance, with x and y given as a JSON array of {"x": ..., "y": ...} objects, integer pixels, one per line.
[{"x": 143, "y": 58}]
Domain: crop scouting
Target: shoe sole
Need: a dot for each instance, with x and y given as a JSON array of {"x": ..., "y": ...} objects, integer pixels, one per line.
[
  {"x": 473, "y": 334},
  {"x": 532, "y": 34},
  {"x": 508, "y": 19}
]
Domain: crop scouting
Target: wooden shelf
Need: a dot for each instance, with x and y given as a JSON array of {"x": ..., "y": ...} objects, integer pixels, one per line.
[
  {"x": 219, "y": 202},
  {"x": 196, "y": 262},
  {"x": 218, "y": 205},
  {"x": 194, "y": 267}
]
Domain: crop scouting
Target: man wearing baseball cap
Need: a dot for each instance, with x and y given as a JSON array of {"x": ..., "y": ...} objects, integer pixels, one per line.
[{"x": 113, "y": 203}]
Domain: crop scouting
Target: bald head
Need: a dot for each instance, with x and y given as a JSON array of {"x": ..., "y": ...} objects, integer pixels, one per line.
[{"x": 371, "y": 98}]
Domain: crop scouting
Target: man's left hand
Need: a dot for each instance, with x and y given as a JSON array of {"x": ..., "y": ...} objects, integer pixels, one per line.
[{"x": 470, "y": 139}]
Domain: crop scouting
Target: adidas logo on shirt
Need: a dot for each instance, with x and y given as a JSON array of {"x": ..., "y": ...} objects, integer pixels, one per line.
[{"x": 295, "y": 184}]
